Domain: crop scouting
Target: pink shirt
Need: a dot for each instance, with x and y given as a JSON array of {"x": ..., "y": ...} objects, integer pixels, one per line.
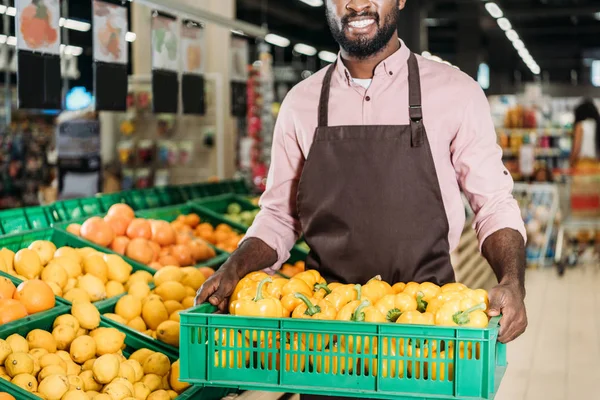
[{"x": 458, "y": 124}]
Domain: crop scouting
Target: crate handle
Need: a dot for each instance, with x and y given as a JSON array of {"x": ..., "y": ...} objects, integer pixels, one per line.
[{"x": 500, "y": 354}]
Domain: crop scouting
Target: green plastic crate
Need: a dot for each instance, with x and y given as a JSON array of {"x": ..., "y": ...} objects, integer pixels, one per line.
[
  {"x": 109, "y": 199},
  {"x": 218, "y": 205},
  {"x": 143, "y": 199},
  {"x": 25, "y": 219},
  {"x": 132, "y": 343},
  {"x": 61, "y": 238},
  {"x": 72, "y": 209},
  {"x": 405, "y": 365},
  {"x": 170, "y": 195}
]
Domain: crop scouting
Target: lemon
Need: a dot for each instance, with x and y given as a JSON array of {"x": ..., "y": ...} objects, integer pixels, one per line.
[
  {"x": 73, "y": 368},
  {"x": 141, "y": 391},
  {"x": 52, "y": 359},
  {"x": 108, "y": 340},
  {"x": 28, "y": 264},
  {"x": 37, "y": 353},
  {"x": 172, "y": 306},
  {"x": 192, "y": 277},
  {"x": 168, "y": 274},
  {"x": 168, "y": 332},
  {"x": 54, "y": 387},
  {"x": 5, "y": 350},
  {"x": 17, "y": 343},
  {"x": 56, "y": 274},
  {"x": 154, "y": 313},
  {"x": 77, "y": 294},
  {"x": 51, "y": 370},
  {"x": 138, "y": 324},
  {"x": 39, "y": 339},
  {"x": 114, "y": 288},
  {"x": 171, "y": 291},
  {"x": 75, "y": 382},
  {"x": 117, "y": 391},
  {"x": 93, "y": 285},
  {"x": 89, "y": 383},
  {"x": 83, "y": 349},
  {"x": 137, "y": 369},
  {"x": 158, "y": 364},
  {"x": 118, "y": 269},
  {"x": 106, "y": 368},
  {"x": 95, "y": 265},
  {"x": 75, "y": 394},
  {"x": 116, "y": 318},
  {"x": 66, "y": 319},
  {"x": 129, "y": 307},
  {"x": 126, "y": 371},
  {"x": 159, "y": 395},
  {"x": 141, "y": 355},
  {"x": 63, "y": 336},
  {"x": 88, "y": 364},
  {"x": 152, "y": 381},
  {"x": 174, "y": 381},
  {"x": 141, "y": 290},
  {"x": 25, "y": 381},
  {"x": 18, "y": 363},
  {"x": 87, "y": 315}
]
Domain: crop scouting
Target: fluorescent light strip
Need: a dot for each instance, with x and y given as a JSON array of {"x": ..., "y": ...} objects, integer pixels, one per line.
[
  {"x": 518, "y": 44},
  {"x": 313, "y": 3},
  {"x": 305, "y": 49},
  {"x": 504, "y": 24},
  {"x": 512, "y": 35},
  {"x": 11, "y": 11},
  {"x": 74, "y": 24},
  {"x": 327, "y": 56},
  {"x": 494, "y": 10},
  {"x": 277, "y": 40}
]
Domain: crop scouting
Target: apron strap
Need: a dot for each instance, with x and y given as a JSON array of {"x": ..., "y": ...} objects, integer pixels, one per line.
[
  {"x": 324, "y": 100},
  {"x": 414, "y": 101}
]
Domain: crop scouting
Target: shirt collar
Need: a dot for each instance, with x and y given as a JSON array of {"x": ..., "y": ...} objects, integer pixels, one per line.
[{"x": 389, "y": 67}]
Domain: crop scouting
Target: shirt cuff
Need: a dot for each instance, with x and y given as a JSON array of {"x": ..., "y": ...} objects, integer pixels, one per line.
[
  {"x": 273, "y": 240},
  {"x": 498, "y": 222}
]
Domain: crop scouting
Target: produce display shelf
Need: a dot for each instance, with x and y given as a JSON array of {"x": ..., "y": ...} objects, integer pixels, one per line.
[
  {"x": 68, "y": 210},
  {"x": 384, "y": 361},
  {"x": 60, "y": 238},
  {"x": 218, "y": 205},
  {"x": 132, "y": 343}
]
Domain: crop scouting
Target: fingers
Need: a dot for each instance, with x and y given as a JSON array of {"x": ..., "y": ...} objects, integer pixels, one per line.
[
  {"x": 496, "y": 297},
  {"x": 512, "y": 325},
  {"x": 222, "y": 293},
  {"x": 206, "y": 290}
]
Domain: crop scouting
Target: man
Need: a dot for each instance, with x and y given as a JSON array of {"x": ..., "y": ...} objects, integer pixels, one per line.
[{"x": 368, "y": 160}]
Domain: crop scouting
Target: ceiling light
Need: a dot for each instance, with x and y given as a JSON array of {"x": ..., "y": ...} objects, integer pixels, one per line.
[
  {"x": 130, "y": 37},
  {"x": 512, "y": 35},
  {"x": 74, "y": 24},
  {"x": 494, "y": 10},
  {"x": 327, "y": 56},
  {"x": 305, "y": 49},
  {"x": 11, "y": 11},
  {"x": 518, "y": 44},
  {"x": 504, "y": 24},
  {"x": 277, "y": 40},
  {"x": 313, "y": 3}
]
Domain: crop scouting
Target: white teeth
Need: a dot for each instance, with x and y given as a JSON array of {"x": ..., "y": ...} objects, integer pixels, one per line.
[{"x": 362, "y": 23}]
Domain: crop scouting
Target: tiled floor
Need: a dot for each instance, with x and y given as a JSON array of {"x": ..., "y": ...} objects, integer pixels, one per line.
[{"x": 559, "y": 355}]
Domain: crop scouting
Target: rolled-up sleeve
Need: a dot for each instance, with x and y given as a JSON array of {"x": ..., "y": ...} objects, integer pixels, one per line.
[
  {"x": 277, "y": 223},
  {"x": 477, "y": 160}
]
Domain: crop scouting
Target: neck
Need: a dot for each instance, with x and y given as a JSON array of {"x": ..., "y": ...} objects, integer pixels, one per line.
[{"x": 365, "y": 68}]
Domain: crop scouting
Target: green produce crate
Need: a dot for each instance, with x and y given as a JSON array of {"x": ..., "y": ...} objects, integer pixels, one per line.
[
  {"x": 25, "y": 219},
  {"x": 72, "y": 209},
  {"x": 60, "y": 238},
  {"x": 132, "y": 343},
  {"x": 170, "y": 195},
  {"x": 16, "y": 281},
  {"x": 109, "y": 199},
  {"x": 143, "y": 199},
  {"x": 384, "y": 361},
  {"x": 219, "y": 205}
]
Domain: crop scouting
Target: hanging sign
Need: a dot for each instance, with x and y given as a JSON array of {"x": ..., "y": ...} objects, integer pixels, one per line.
[
  {"x": 38, "y": 54},
  {"x": 165, "y": 63},
  {"x": 193, "y": 65},
  {"x": 110, "y": 56},
  {"x": 239, "y": 60}
]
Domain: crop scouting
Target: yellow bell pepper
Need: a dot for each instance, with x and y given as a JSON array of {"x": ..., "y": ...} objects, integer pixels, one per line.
[
  {"x": 375, "y": 289},
  {"x": 311, "y": 277},
  {"x": 275, "y": 288},
  {"x": 398, "y": 287},
  {"x": 227, "y": 358},
  {"x": 259, "y": 306},
  {"x": 412, "y": 288},
  {"x": 296, "y": 285},
  {"x": 414, "y": 369},
  {"x": 478, "y": 296},
  {"x": 416, "y": 318},
  {"x": 342, "y": 295},
  {"x": 393, "y": 305},
  {"x": 334, "y": 361},
  {"x": 323, "y": 310},
  {"x": 446, "y": 368},
  {"x": 457, "y": 313},
  {"x": 334, "y": 285},
  {"x": 360, "y": 311},
  {"x": 250, "y": 280},
  {"x": 429, "y": 290},
  {"x": 434, "y": 304},
  {"x": 453, "y": 287},
  {"x": 321, "y": 290}
]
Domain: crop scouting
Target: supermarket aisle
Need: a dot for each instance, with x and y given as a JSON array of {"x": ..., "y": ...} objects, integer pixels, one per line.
[{"x": 558, "y": 358}]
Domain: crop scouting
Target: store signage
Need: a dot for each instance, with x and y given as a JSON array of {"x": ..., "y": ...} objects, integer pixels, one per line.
[
  {"x": 239, "y": 59},
  {"x": 38, "y": 54},
  {"x": 110, "y": 56},
  {"x": 165, "y": 63},
  {"x": 193, "y": 50}
]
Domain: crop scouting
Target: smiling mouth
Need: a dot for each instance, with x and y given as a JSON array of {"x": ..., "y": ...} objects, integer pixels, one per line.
[{"x": 362, "y": 23}]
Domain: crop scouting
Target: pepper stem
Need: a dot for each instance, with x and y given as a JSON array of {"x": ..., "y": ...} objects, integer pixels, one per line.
[
  {"x": 319, "y": 286},
  {"x": 259, "y": 295},
  {"x": 421, "y": 304},
  {"x": 311, "y": 309},
  {"x": 463, "y": 317},
  {"x": 393, "y": 315},
  {"x": 358, "y": 315},
  {"x": 358, "y": 289}
]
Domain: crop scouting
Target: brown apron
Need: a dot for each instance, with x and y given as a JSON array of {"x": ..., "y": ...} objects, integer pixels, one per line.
[{"x": 369, "y": 200}]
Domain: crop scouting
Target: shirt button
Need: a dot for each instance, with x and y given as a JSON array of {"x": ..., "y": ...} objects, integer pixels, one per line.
[
  {"x": 391, "y": 73},
  {"x": 367, "y": 98}
]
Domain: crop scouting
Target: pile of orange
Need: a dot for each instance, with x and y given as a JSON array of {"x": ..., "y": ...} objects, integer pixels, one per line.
[
  {"x": 222, "y": 237},
  {"x": 290, "y": 270},
  {"x": 155, "y": 243},
  {"x": 28, "y": 298}
]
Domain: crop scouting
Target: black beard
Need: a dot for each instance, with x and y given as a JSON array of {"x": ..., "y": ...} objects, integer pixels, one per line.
[{"x": 363, "y": 48}]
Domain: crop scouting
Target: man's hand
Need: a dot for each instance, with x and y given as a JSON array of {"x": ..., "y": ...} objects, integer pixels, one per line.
[
  {"x": 218, "y": 288},
  {"x": 507, "y": 299}
]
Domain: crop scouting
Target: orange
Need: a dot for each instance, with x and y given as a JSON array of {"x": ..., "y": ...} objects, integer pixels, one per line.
[
  {"x": 7, "y": 288},
  {"x": 198, "y": 250},
  {"x": 183, "y": 255},
  {"x": 6, "y": 396},
  {"x": 223, "y": 228},
  {"x": 192, "y": 220},
  {"x": 140, "y": 250},
  {"x": 75, "y": 229},
  {"x": 139, "y": 228},
  {"x": 168, "y": 260},
  {"x": 155, "y": 265},
  {"x": 183, "y": 238},
  {"x": 98, "y": 231},
  {"x": 119, "y": 245},
  {"x": 11, "y": 310},
  {"x": 155, "y": 250},
  {"x": 118, "y": 223},
  {"x": 163, "y": 233},
  {"x": 121, "y": 210},
  {"x": 35, "y": 295}
]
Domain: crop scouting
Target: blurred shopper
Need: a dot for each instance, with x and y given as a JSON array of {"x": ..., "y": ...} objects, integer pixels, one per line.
[{"x": 586, "y": 135}]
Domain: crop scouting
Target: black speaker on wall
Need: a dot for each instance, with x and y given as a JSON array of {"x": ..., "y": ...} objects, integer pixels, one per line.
[{"x": 39, "y": 84}]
